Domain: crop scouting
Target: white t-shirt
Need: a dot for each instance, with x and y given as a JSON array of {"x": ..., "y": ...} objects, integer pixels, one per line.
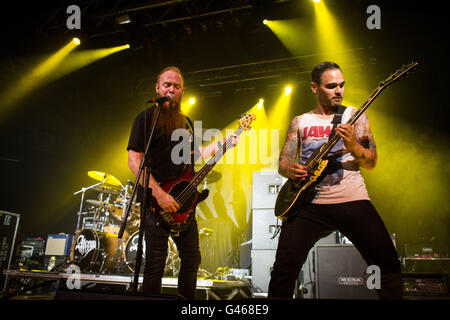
[{"x": 347, "y": 183}]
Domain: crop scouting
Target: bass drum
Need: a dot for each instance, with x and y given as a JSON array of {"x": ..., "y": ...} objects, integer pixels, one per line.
[
  {"x": 172, "y": 262},
  {"x": 92, "y": 251}
]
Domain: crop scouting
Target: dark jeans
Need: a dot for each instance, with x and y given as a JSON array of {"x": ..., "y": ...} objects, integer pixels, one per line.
[
  {"x": 358, "y": 221},
  {"x": 156, "y": 241}
]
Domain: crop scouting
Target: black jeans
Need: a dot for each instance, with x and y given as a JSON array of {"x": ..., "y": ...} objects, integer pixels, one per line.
[
  {"x": 358, "y": 221},
  {"x": 156, "y": 242}
]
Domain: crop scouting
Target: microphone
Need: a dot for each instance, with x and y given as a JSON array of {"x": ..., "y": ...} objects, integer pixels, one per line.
[{"x": 162, "y": 99}]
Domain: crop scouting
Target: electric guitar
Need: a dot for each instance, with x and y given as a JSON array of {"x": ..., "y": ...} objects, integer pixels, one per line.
[
  {"x": 184, "y": 189},
  {"x": 295, "y": 192}
]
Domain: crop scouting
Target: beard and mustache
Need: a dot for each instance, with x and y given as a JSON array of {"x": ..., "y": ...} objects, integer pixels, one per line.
[{"x": 171, "y": 118}]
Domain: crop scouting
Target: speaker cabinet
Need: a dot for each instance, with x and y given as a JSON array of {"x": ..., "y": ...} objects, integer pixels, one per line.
[
  {"x": 262, "y": 263},
  {"x": 341, "y": 273},
  {"x": 264, "y": 227}
]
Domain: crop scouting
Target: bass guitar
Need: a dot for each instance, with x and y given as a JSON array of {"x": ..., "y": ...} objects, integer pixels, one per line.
[
  {"x": 184, "y": 189},
  {"x": 295, "y": 192}
]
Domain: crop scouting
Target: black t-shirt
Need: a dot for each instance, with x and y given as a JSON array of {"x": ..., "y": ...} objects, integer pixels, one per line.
[{"x": 163, "y": 168}]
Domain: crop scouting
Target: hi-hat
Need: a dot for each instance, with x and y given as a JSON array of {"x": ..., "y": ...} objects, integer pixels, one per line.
[
  {"x": 99, "y": 203},
  {"x": 213, "y": 176},
  {"x": 105, "y": 177}
]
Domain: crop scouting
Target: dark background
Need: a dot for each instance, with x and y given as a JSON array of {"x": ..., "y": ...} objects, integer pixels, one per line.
[{"x": 58, "y": 132}]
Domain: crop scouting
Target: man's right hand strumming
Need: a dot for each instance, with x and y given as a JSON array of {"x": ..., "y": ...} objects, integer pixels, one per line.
[
  {"x": 296, "y": 171},
  {"x": 166, "y": 201}
]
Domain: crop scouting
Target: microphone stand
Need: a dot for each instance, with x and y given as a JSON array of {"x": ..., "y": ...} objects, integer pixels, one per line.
[{"x": 144, "y": 166}]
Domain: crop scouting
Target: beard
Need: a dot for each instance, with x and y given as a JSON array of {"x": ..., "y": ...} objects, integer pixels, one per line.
[{"x": 171, "y": 118}]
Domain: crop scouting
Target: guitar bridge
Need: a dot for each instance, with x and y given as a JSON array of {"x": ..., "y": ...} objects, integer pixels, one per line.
[{"x": 167, "y": 217}]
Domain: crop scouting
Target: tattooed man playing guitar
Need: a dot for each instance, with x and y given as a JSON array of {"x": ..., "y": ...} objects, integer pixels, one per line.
[{"x": 339, "y": 201}]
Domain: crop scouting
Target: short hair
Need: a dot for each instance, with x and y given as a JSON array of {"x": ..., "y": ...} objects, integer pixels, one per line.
[
  {"x": 171, "y": 68},
  {"x": 318, "y": 70}
]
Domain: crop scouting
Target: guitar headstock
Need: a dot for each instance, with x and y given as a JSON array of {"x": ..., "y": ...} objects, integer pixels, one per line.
[
  {"x": 246, "y": 120},
  {"x": 403, "y": 71}
]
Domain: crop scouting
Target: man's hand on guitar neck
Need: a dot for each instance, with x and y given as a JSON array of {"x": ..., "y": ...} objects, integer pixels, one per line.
[{"x": 366, "y": 154}]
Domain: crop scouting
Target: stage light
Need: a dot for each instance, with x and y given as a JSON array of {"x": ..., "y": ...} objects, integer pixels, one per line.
[
  {"x": 287, "y": 90},
  {"x": 265, "y": 21},
  {"x": 76, "y": 41},
  {"x": 187, "y": 105},
  {"x": 122, "y": 19},
  {"x": 260, "y": 104},
  {"x": 40, "y": 75},
  {"x": 316, "y": 1}
]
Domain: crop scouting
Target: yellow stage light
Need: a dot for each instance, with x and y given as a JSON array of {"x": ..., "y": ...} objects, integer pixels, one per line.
[
  {"x": 287, "y": 90},
  {"x": 76, "y": 41},
  {"x": 265, "y": 21},
  {"x": 316, "y": 1},
  {"x": 191, "y": 101},
  {"x": 41, "y": 74},
  {"x": 260, "y": 104}
]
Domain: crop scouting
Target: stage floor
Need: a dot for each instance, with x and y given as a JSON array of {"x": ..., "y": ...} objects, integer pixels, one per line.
[{"x": 207, "y": 289}]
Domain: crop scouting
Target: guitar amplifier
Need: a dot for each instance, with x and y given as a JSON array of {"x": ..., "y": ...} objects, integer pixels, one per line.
[
  {"x": 59, "y": 246},
  {"x": 421, "y": 264},
  {"x": 9, "y": 224},
  {"x": 425, "y": 284},
  {"x": 341, "y": 273}
]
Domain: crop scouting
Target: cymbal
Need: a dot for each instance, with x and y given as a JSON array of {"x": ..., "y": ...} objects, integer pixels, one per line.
[
  {"x": 105, "y": 189},
  {"x": 213, "y": 176},
  {"x": 105, "y": 177}
]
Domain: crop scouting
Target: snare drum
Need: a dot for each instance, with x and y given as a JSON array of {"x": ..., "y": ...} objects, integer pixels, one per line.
[{"x": 92, "y": 250}]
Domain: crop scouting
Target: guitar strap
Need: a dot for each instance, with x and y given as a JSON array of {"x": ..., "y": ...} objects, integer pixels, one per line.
[
  {"x": 337, "y": 119},
  {"x": 333, "y": 164}
]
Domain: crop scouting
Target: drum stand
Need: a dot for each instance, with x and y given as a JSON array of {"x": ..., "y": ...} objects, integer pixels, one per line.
[{"x": 80, "y": 212}]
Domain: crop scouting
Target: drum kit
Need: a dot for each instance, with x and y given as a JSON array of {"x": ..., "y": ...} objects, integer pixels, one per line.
[{"x": 96, "y": 247}]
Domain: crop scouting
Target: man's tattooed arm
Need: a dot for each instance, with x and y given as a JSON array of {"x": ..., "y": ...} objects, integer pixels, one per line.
[
  {"x": 366, "y": 156},
  {"x": 290, "y": 149}
]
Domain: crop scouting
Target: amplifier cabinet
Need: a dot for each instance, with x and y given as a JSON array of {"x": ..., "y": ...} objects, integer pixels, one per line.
[
  {"x": 306, "y": 277},
  {"x": 262, "y": 263},
  {"x": 341, "y": 273}
]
